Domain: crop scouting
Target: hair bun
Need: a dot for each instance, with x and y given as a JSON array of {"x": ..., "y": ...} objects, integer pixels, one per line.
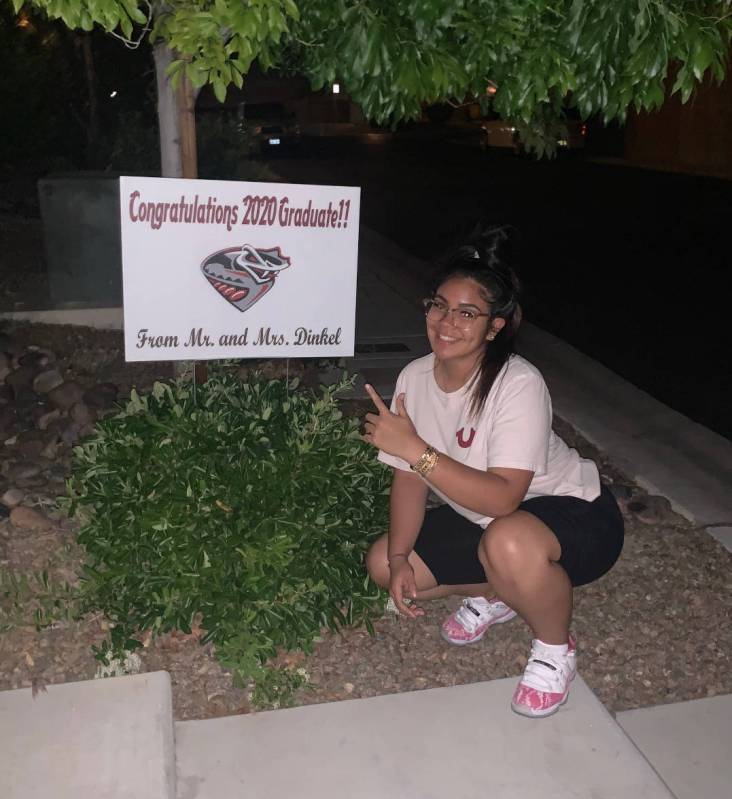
[{"x": 493, "y": 246}]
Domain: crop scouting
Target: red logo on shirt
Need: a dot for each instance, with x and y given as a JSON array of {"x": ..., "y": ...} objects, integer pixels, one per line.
[{"x": 462, "y": 441}]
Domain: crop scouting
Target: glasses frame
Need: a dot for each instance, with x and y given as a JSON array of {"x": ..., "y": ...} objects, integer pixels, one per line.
[{"x": 429, "y": 302}]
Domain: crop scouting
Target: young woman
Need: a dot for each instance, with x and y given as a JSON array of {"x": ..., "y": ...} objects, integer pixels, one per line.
[{"x": 525, "y": 517}]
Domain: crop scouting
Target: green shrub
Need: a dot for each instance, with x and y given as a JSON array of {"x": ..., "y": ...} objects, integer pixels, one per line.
[{"x": 248, "y": 507}]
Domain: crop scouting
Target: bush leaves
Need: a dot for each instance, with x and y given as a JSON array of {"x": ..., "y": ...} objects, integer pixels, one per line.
[{"x": 249, "y": 510}]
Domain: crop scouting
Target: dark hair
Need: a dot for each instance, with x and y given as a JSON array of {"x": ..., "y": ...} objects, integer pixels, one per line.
[{"x": 487, "y": 259}]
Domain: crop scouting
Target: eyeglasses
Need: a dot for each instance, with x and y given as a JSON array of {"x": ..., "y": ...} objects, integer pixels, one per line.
[{"x": 463, "y": 318}]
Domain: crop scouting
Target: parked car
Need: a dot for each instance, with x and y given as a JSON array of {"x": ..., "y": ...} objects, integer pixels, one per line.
[
  {"x": 499, "y": 133},
  {"x": 268, "y": 126}
]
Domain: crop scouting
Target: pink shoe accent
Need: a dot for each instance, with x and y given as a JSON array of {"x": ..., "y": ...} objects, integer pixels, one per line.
[
  {"x": 470, "y": 622},
  {"x": 537, "y": 703}
]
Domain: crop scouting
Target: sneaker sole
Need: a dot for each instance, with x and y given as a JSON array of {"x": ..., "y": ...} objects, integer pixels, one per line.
[{"x": 501, "y": 620}]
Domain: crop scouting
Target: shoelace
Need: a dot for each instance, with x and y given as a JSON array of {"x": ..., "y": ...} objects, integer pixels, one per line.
[{"x": 546, "y": 672}]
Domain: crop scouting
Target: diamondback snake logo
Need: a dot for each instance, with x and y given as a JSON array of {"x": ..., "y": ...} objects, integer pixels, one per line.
[{"x": 243, "y": 275}]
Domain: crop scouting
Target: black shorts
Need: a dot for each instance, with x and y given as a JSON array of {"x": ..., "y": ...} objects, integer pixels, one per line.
[{"x": 590, "y": 534}]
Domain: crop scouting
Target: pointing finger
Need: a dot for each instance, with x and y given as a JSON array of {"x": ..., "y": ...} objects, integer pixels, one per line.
[{"x": 376, "y": 399}]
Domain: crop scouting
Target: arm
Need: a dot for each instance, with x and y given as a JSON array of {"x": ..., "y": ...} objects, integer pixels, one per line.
[
  {"x": 494, "y": 492},
  {"x": 406, "y": 513}
]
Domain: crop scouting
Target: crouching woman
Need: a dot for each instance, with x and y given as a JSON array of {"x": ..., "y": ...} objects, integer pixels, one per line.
[{"x": 525, "y": 519}]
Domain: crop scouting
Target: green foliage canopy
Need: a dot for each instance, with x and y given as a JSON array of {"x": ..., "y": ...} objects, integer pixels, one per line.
[{"x": 394, "y": 55}]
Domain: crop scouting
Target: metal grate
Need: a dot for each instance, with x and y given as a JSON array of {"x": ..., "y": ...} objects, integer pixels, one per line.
[{"x": 364, "y": 348}]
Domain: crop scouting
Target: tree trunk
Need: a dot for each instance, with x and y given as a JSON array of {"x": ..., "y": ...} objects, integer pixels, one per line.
[
  {"x": 176, "y": 119},
  {"x": 187, "y": 121},
  {"x": 178, "y": 154},
  {"x": 171, "y": 160}
]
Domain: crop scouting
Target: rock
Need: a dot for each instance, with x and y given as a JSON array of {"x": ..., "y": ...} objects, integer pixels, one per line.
[
  {"x": 12, "y": 497},
  {"x": 50, "y": 450},
  {"x": 8, "y": 418},
  {"x": 81, "y": 414},
  {"x": 47, "y": 381},
  {"x": 30, "y": 435},
  {"x": 652, "y": 510},
  {"x": 39, "y": 410},
  {"x": 70, "y": 435},
  {"x": 57, "y": 473},
  {"x": 20, "y": 378},
  {"x": 31, "y": 449},
  {"x": 29, "y": 519},
  {"x": 36, "y": 359},
  {"x": 621, "y": 492},
  {"x": 36, "y": 481},
  {"x": 86, "y": 430},
  {"x": 4, "y": 512},
  {"x": 65, "y": 395},
  {"x": 101, "y": 395},
  {"x": 45, "y": 420},
  {"x": 4, "y": 366},
  {"x": 57, "y": 426},
  {"x": 6, "y": 394},
  {"x": 23, "y": 470}
]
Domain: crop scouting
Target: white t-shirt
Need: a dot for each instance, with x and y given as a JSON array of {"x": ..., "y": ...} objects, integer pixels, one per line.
[{"x": 514, "y": 430}]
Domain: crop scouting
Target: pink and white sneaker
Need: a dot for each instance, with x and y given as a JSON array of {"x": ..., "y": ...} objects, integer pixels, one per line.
[
  {"x": 544, "y": 688},
  {"x": 472, "y": 619}
]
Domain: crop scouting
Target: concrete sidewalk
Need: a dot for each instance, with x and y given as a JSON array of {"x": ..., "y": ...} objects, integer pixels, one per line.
[
  {"x": 455, "y": 743},
  {"x": 114, "y": 738}
]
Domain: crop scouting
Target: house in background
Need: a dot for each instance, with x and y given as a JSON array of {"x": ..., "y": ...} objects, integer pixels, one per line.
[{"x": 694, "y": 138}]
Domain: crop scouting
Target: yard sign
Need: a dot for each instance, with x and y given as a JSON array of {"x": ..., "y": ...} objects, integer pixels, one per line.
[{"x": 223, "y": 269}]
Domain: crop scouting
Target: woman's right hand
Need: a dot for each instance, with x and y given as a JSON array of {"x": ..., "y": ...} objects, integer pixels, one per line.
[{"x": 402, "y": 585}]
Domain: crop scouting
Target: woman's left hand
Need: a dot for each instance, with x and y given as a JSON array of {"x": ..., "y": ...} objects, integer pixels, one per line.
[{"x": 393, "y": 433}]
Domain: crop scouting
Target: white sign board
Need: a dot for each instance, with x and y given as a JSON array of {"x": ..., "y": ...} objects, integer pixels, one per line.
[{"x": 223, "y": 269}]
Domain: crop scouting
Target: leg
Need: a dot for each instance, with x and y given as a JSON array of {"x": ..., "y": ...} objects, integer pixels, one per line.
[
  {"x": 427, "y": 586},
  {"x": 520, "y": 553}
]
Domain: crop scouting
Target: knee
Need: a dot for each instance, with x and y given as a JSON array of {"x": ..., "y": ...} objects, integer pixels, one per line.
[
  {"x": 377, "y": 564},
  {"x": 504, "y": 549}
]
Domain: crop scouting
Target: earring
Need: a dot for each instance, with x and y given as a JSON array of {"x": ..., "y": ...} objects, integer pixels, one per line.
[{"x": 491, "y": 335}]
